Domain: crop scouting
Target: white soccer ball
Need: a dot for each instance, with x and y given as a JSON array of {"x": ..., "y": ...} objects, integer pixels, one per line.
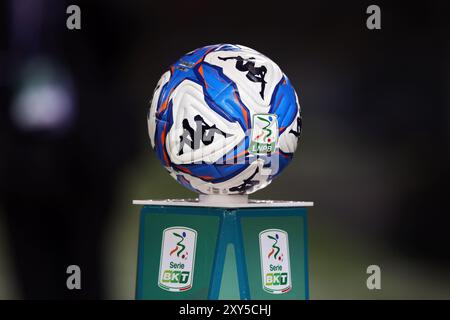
[{"x": 224, "y": 119}]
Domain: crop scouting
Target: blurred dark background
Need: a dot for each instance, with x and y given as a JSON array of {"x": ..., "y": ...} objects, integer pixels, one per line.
[{"x": 74, "y": 149}]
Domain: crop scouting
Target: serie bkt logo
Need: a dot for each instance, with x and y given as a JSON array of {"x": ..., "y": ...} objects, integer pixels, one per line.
[
  {"x": 176, "y": 269},
  {"x": 275, "y": 265}
]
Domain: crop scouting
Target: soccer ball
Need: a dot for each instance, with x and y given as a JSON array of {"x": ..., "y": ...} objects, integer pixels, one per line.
[{"x": 224, "y": 119}]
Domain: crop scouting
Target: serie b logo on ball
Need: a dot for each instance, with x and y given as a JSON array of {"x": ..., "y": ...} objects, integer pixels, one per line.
[{"x": 264, "y": 133}]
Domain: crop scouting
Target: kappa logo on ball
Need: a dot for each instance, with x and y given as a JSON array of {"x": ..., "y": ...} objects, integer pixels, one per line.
[
  {"x": 176, "y": 268},
  {"x": 264, "y": 133},
  {"x": 275, "y": 264}
]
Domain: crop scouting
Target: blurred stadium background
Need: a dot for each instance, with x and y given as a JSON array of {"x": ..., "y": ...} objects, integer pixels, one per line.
[{"x": 373, "y": 157}]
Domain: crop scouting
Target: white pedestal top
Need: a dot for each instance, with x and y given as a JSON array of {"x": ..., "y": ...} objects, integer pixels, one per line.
[{"x": 224, "y": 202}]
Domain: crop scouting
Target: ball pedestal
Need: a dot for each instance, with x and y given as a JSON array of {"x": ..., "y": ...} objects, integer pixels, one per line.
[{"x": 224, "y": 247}]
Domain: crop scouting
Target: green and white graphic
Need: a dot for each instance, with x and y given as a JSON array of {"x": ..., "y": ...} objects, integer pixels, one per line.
[
  {"x": 275, "y": 264},
  {"x": 176, "y": 268},
  {"x": 264, "y": 133}
]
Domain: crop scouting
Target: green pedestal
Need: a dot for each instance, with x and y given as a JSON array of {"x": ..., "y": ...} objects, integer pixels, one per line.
[{"x": 251, "y": 251}]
